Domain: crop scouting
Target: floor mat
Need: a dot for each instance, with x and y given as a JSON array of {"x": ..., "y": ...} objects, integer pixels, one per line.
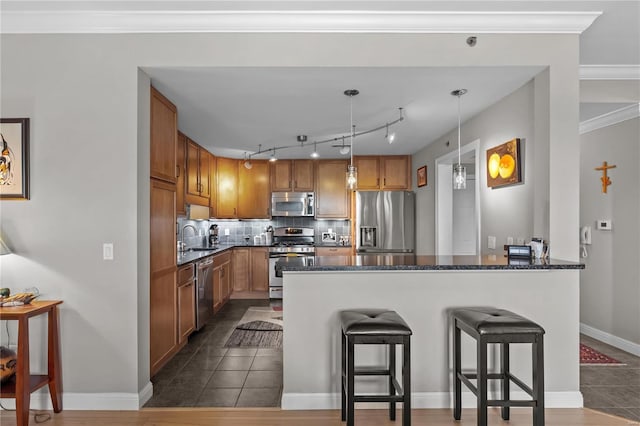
[
  {"x": 589, "y": 356},
  {"x": 259, "y": 327}
]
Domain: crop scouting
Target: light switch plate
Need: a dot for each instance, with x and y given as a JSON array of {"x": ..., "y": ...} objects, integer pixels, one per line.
[
  {"x": 491, "y": 242},
  {"x": 107, "y": 251}
]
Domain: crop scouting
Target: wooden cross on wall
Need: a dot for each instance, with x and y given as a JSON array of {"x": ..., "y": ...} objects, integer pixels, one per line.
[{"x": 605, "y": 179}]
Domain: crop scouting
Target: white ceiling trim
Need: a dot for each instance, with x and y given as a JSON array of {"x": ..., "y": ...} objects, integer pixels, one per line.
[
  {"x": 610, "y": 118},
  {"x": 610, "y": 72},
  {"x": 182, "y": 21}
]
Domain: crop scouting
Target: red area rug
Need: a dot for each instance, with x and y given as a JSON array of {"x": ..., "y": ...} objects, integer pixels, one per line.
[{"x": 589, "y": 356}]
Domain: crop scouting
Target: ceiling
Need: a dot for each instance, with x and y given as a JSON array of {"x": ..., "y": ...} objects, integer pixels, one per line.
[{"x": 231, "y": 111}]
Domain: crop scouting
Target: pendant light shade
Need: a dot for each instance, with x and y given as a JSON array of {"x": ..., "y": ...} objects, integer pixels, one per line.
[
  {"x": 352, "y": 172},
  {"x": 459, "y": 171}
]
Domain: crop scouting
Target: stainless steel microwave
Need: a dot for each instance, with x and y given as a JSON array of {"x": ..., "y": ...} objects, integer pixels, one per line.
[{"x": 292, "y": 204}]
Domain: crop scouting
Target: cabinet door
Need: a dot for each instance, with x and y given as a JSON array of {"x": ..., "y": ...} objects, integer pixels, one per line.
[
  {"x": 281, "y": 176},
  {"x": 203, "y": 169},
  {"x": 259, "y": 269},
  {"x": 240, "y": 265},
  {"x": 227, "y": 194},
  {"x": 303, "y": 175},
  {"x": 333, "y": 251},
  {"x": 162, "y": 298},
  {"x": 225, "y": 281},
  {"x": 164, "y": 134},
  {"x": 396, "y": 172},
  {"x": 213, "y": 186},
  {"x": 217, "y": 288},
  {"x": 186, "y": 311},
  {"x": 193, "y": 164},
  {"x": 254, "y": 195},
  {"x": 181, "y": 208},
  {"x": 368, "y": 172},
  {"x": 332, "y": 196}
]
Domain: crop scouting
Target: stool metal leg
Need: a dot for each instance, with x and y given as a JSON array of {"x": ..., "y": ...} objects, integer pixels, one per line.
[
  {"x": 350, "y": 382},
  {"x": 392, "y": 374},
  {"x": 538, "y": 380},
  {"x": 344, "y": 376},
  {"x": 482, "y": 382},
  {"x": 406, "y": 381},
  {"x": 504, "y": 361},
  {"x": 457, "y": 369}
]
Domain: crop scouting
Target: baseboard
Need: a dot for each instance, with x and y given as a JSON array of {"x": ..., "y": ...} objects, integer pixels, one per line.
[
  {"x": 610, "y": 339},
  {"x": 40, "y": 400},
  {"x": 331, "y": 401}
]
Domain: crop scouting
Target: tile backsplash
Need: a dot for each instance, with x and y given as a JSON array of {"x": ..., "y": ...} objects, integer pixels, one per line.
[{"x": 238, "y": 229}]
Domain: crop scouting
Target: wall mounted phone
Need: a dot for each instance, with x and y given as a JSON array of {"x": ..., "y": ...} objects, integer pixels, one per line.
[{"x": 585, "y": 235}]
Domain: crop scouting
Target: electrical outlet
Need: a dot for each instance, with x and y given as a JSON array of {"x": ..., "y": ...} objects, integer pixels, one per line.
[
  {"x": 509, "y": 241},
  {"x": 107, "y": 251},
  {"x": 491, "y": 242},
  {"x": 226, "y": 231}
]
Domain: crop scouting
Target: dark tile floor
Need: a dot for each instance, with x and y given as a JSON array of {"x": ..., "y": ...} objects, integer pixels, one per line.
[
  {"x": 206, "y": 374},
  {"x": 612, "y": 389}
]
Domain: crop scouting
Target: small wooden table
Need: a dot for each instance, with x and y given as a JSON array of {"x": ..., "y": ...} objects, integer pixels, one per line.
[{"x": 21, "y": 386}]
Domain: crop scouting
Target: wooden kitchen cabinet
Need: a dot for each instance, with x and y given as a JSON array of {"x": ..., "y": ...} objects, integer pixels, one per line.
[
  {"x": 332, "y": 196},
  {"x": 334, "y": 251},
  {"x": 227, "y": 190},
  {"x": 181, "y": 166},
  {"x": 213, "y": 186},
  {"x": 251, "y": 270},
  {"x": 164, "y": 134},
  {"x": 221, "y": 280},
  {"x": 392, "y": 172},
  {"x": 259, "y": 269},
  {"x": 186, "y": 302},
  {"x": 241, "y": 272},
  {"x": 254, "y": 195},
  {"x": 163, "y": 305},
  {"x": 197, "y": 176},
  {"x": 292, "y": 176}
]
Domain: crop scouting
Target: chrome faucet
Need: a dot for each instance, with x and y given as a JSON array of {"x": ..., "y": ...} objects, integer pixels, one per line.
[{"x": 195, "y": 232}]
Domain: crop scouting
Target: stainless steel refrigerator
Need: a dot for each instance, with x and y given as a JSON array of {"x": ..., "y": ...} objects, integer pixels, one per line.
[{"x": 385, "y": 222}]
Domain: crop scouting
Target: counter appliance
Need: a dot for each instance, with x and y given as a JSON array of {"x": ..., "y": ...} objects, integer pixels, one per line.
[
  {"x": 292, "y": 204},
  {"x": 385, "y": 222}
]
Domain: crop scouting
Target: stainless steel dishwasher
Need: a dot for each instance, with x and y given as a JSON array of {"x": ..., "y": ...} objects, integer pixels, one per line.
[{"x": 204, "y": 291}]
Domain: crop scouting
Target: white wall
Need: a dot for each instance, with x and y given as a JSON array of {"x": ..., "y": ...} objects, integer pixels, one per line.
[
  {"x": 506, "y": 211},
  {"x": 610, "y": 283},
  {"x": 88, "y": 114}
]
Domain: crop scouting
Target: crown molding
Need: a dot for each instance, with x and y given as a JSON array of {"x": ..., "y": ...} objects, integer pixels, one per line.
[
  {"x": 610, "y": 118},
  {"x": 609, "y": 72},
  {"x": 208, "y": 21}
]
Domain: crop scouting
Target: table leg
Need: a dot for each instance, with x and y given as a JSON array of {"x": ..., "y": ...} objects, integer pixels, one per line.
[
  {"x": 53, "y": 361},
  {"x": 23, "y": 382}
]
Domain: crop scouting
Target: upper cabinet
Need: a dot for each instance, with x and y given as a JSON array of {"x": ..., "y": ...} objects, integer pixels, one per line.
[
  {"x": 391, "y": 172},
  {"x": 181, "y": 208},
  {"x": 332, "y": 196},
  {"x": 227, "y": 190},
  {"x": 254, "y": 195},
  {"x": 292, "y": 176},
  {"x": 164, "y": 133},
  {"x": 197, "y": 186},
  {"x": 213, "y": 186}
]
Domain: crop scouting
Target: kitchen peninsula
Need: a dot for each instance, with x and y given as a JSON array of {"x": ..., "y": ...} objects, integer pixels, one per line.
[{"x": 423, "y": 289}]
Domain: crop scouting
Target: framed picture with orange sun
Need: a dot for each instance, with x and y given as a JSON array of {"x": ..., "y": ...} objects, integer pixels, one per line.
[{"x": 503, "y": 164}]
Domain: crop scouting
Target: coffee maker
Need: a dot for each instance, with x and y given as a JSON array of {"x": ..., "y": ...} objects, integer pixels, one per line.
[{"x": 213, "y": 235}]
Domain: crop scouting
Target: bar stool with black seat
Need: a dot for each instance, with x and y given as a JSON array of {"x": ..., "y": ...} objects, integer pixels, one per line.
[
  {"x": 382, "y": 327},
  {"x": 489, "y": 325}
]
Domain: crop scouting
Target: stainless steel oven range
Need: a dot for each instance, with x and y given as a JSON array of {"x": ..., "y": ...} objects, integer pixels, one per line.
[{"x": 292, "y": 245}]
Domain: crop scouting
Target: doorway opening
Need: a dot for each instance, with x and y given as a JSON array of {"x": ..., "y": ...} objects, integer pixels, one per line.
[{"x": 458, "y": 212}]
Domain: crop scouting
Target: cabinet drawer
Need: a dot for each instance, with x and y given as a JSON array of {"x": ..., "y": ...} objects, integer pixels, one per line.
[
  {"x": 333, "y": 251},
  {"x": 185, "y": 274},
  {"x": 221, "y": 259}
]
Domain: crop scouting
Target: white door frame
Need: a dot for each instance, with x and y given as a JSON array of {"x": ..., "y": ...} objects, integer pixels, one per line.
[{"x": 444, "y": 198}]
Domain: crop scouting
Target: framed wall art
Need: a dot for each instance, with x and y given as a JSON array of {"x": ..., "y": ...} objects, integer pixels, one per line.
[
  {"x": 14, "y": 158},
  {"x": 422, "y": 176},
  {"x": 503, "y": 164}
]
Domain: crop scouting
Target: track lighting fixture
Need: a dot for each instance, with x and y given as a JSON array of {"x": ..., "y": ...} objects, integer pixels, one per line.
[
  {"x": 273, "y": 157},
  {"x": 315, "y": 154}
]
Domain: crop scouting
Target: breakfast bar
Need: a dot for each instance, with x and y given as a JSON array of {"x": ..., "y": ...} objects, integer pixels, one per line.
[{"x": 424, "y": 290}]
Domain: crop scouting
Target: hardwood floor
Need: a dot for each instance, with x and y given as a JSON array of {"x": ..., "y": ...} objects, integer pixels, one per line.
[{"x": 275, "y": 416}]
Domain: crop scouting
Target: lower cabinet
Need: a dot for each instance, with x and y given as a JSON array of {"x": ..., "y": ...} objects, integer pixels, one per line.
[
  {"x": 336, "y": 254},
  {"x": 186, "y": 302},
  {"x": 251, "y": 270},
  {"x": 221, "y": 280}
]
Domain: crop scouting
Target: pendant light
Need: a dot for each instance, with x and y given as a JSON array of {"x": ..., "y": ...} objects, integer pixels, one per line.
[
  {"x": 352, "y": 172},
  {"x": 459, "y": 171}
]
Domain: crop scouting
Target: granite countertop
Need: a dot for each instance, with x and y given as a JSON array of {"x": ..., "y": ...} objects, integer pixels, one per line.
[
  {"x": 188, "y": 256},
  {"x": 426, "y": 263},
  {"x": 332, "y": 245}
]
